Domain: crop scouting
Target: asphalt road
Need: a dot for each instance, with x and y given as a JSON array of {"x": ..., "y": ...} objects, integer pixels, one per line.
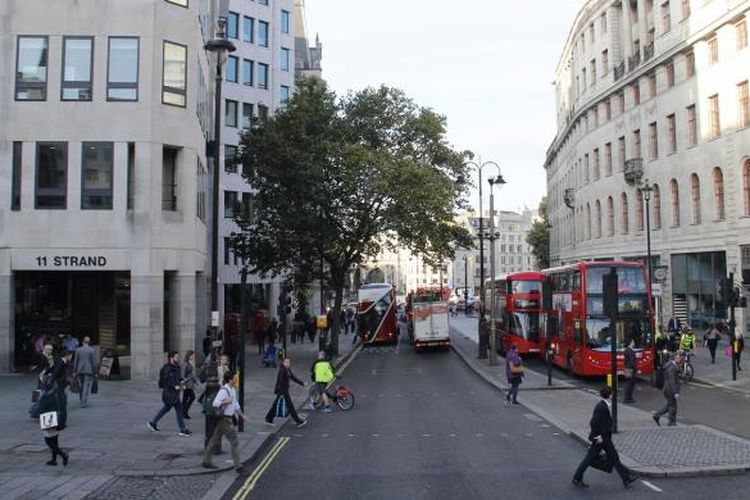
[{"x": 426, "y": 427}]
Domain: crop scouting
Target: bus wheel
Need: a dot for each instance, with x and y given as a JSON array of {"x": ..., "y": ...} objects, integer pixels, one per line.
[{"x": 569, "y": 363}]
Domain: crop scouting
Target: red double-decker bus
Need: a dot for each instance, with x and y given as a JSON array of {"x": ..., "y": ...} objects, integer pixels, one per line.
[
  {"x": 518, "y": 306},
  {"x": 376, "y": 313},
  {"x": 576, "y": 327}
]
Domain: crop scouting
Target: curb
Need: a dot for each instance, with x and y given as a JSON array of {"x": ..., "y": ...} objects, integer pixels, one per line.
[{"x": 645, "y": 471}]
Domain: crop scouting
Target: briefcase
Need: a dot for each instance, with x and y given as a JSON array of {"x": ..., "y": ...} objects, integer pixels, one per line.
[{"x": 601, "y": 462}]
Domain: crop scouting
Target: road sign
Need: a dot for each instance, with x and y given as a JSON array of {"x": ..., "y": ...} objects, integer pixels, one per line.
[{"x": 656, "y": 289}]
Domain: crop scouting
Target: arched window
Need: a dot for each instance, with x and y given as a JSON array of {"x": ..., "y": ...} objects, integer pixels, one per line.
[
  {"x": 610, "y": 217},
  {"x": 656, "y": 197},
  {"x": 639, "y": 211},
  {"x": 598, "y": 219},
  {"x": 624, "y": 213},
  {"x": 695, "y": 198},
  {"x": 718, "y": 194},
  {"x": 588, "y": 221},
  {"x": 675, "y": 192},
  {"x": 746, "y": 185}
]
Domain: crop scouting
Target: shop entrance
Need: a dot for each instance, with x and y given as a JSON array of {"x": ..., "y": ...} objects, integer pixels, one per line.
[{"x": 54, "y": 304}]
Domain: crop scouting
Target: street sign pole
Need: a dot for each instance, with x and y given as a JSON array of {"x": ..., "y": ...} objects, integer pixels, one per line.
[{"x": 611, "y": 309}]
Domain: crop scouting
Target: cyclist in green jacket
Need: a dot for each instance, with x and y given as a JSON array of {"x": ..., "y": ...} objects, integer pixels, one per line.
[
  {"x": 323, "y": 374},
  {"x": 687, "y": 340}
]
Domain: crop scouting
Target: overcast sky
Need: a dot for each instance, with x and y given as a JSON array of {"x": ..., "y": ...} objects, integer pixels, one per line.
[{"x": 487, "y": 65}]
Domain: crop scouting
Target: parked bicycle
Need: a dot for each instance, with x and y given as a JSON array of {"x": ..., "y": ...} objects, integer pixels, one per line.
[
  {"x": 686, "y": 371},
  {"x": 342, "y": 396}
]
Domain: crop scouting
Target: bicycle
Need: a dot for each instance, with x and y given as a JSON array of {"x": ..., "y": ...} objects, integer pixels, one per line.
[
  {"x": 686, "y": 371},
  {"x": 342, "y": 396}
]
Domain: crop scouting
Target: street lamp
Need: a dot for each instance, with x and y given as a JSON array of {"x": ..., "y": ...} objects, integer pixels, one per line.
[
  {"x": 493, "y": 236},
  {"x": 482, "y": 336},
  {"x": 221, "y": 46},
  {"x": 647, "y": 189}
]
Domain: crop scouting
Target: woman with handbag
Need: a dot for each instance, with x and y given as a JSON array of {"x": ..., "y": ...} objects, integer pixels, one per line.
[
  {"x": 188, "y": 379},
  {"x": 513, "y": 374}
]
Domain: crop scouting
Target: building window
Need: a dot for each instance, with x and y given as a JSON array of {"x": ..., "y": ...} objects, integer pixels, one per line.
[
  {"x": 78, "y": 66},
  {"x": 746, "y": 185},
  {"x": 637, "y": 144},
  {"x": 624, "y": 213},
  {"x": 233, "y": 21},
  {"x": 248, "y": 29},
  {"x": 596, "y": 164},
  {"x": 636, "y": 93},
  {"x": 230, "y": 158},
  {"x": 598, "y": 219},
  {"x": 713, "y": 50},
  {"x": 689, "y": 64},
  {"x": 231, "y": 71},
  {"x": 714, "y": 124},
  {"x": 230, "y": 113},
  {"x": 174, "y": 89},
  {"x": 593, "y": 72},
  {"x": 610, "y": 217},
  {"x": 131, "y": 176},
  {"x": 51, "y": 175},
  {"x": 227, "y": 249},
  {"x": 692, "y": 126},
  {"x": 639, "y": 210},
  {"x": 182, "y": 3},
  {"x": 608, "y": 159},
  {"x": 652, "y": 85},
  {"x": 607, "y": 110},
  {"x": 96, "y": 175},
  {"x": 605, "y": 62},
  {"x": 122, "y": 69},
  {"x": 263, "y": 2},
  {"x": 169, "y": 179},
  {"x": 621, "y": 99},
  {"x": 588, "y": 222},
  {"x": 675, "y": 192},
  {"x": 263, "y": 33},
  {"x": 656, "y": 196},
  {"x": 586, "y": 167},
  {"x": 583, "y": 79},
  {"x": 741, "y": 34},
  {"x": 248, "y": 211},
  {"x": 685, "y": 9},
  {"x": 247, "y": 72},
  {"x": 604, "y": 22},
  {"x": 262, "y": 111},
  {"x": 592, "y": 34},
  {"x": 666, "y": 17},
  {"x": 247, "y": 115},
  {"x": 744, "y": 105},
  {"x": 621, "y": 154},
  {"x": 31, "y": 68},
  {"x": 202, "y": 175},
  {"x": 285, "y": 16},
  {"x": 718, "y": 194},
  {"x": 653, "y": 141},
  {"x": 15, "y": 190},
  {"x": 262, "y": 76},
  {"x": 669, "y": 70},
  {"x": 695, "y": 198},
  {"x": 230, "y": 204},
  {"x": 284, "y": 59},
  {"x": 284, "y": 93},
  {"x": 672, "y": 131}
]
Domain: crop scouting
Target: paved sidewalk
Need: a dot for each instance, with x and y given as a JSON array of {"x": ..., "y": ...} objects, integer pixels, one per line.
[
  {"x": 684, "y": 450},
  {"x": 109, "y": 439}
]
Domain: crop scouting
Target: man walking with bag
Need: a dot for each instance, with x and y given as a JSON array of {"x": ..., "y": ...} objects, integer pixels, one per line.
[
  {"x": 513, "y": 374},
  {"x": 170, "y": 384},
  {"x": 84, "y": 367},
  {"x": 671, "y": 390},
  {"x": 601, "y": 440},
  {"x": 282, "y": 394},
  {"x": 226, "y": 408}
]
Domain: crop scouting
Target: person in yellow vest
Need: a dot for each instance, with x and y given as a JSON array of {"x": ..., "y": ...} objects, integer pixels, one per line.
[{"x": 323, "y": 374}]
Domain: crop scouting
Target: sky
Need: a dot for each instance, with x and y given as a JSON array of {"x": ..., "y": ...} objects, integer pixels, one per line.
[{"x": 487, "y": 65}]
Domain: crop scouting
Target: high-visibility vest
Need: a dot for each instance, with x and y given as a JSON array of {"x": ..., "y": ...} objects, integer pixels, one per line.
[{"x": 323, "y": 372}]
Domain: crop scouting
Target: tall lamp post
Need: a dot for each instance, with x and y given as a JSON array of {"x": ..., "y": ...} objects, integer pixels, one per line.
[
  {"x": 221, "y": 46},
  {"x": 492, "y": 237},
  {"x": 481, "y": 332}
]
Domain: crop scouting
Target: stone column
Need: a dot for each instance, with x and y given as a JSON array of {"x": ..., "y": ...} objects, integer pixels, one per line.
[
  {"x": 146, "y": 325},
  {"x": 182, "y": 304},
  {"x": 7, "y": 320}
]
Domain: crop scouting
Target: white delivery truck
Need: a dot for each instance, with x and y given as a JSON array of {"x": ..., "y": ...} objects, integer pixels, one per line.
[{"x": 429, "y": 320}]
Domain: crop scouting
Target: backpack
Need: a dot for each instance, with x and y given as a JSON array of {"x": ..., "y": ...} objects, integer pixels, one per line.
[
  {"x": 215, "y": 411},
  {"x": 162, "y": 376},
  {"x": 659, "y": 379}
]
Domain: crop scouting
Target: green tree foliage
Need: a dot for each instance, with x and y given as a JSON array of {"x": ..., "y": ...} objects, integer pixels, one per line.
[
  {"x": 336, "y": 178},
  {"x": 538, "y": 236}
]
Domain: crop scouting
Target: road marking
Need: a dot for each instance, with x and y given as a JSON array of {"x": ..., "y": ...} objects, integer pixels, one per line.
[
  {"x": 400, "y": 435},
  {"x": 325, "y": 435},
  {"x": 655, "y": 488},
  {"x": 351, "y": 435},
  {"x": 478, "y": 434},
  {"x": 426, "y": 435},
  {"x": 453, "y": 435},
  {"x": 252, "y": 479},
  {"x": 375, "y": 435}
]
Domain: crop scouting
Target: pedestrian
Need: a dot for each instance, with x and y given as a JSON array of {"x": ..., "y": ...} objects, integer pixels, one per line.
[
  {"x": 711, "y": 340},
  {"x": 738, "y": 345},
  {"x": 170, "y": 384},
  {"x": 601, "y": 440},
  {"x": 282, "y": 393},
  {"x": 662, "y": 347},
  {"x": 629, "y": 371},
  {"x": 187, "y": 372},
  {"x": 228, "y": 412},
  {"x": 84, "y": 367},
  {"x": 51, "y": 439},
  {"x": 311, "y": 328},
  {"x": 671, "y": 390},
  {"x": 513, "y": 374},
  {"x": 231, "y": 349},
  {"x": 59, "y": 372},
  {"x": 674, "y": 326},
  {"x": 261, "y": 334},
  {"x": 70, "y": 343}
]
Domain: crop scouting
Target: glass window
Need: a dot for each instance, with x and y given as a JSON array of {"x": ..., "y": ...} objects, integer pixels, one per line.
[
  {"x": 284, "y": 59},
  {"x": 263, "y": 33},
  {"x": 169, "y": 179},
  {"x": 51, "y": 175},
  {"x": 230, "y": 158},
  {"x": 247, "y": 72},
  {"x": 230, "y": 204},
  {"x": 174, "y": 90},
  {"x": 262, "y": 111},
  {"x": 285, "y": 21},
  {"x": 122, "y": 69},
  {"x": 231, "y": 75},
  {"x": 718, "y": 194},
  {"x": 96, "y": 175},
  {"x": 31, "y": 68},
  {"x": 247, "y": 115},
  {"x": 233, "y": 20},
  {"x": 183, "y": 3},
  {"x": 77, "y": 68},
  {"x": 526, "y": 286},
  {"x": 248, "y": 29},
  {"x": 15, "y": 193},
  {"x": 262, "y": 76},
  {"x": 629, "y": 279},
  {"x": 284, "y": 93},
  {"x": 230, "y": 113},
  {"x": 263, "y": 2},
  {"x": 657, "y": 207}
]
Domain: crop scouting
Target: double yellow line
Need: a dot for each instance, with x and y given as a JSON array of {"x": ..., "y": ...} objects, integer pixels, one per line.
[{"x": 249, "y": 483}]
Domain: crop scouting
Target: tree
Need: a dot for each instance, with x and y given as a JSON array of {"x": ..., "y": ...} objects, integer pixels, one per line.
[
  {"x": 338, "y": 178},
  {"x": 538, "y": 236}
]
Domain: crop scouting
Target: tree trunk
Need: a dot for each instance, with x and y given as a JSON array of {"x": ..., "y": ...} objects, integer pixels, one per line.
[{"x": 337, "y": 283}]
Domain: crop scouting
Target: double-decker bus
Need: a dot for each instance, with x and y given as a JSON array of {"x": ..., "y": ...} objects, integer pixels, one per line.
[
  {"x": 576, "y": 327},
  {"x": 518, "y": 306},
  {"x": 376, "y": 314}
]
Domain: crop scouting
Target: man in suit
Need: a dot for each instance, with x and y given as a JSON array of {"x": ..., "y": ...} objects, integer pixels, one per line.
[
  {"x": 671, "y": 390},
  {"x": 85, "y": 368},
  {"x": 601, "y": 439}
]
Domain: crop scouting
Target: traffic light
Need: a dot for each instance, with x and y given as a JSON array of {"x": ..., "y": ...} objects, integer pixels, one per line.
[
  {"x": 611, "y": 293},
  {"x": 726, "y": 291}
]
